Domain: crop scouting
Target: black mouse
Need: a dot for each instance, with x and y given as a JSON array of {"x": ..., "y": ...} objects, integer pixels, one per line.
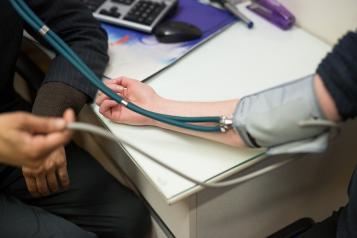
[{"x": 175, "y": 31}]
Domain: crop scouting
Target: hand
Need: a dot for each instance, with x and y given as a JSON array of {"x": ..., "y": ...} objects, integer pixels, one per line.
[
  {"x": 47, "y": 177},
  {"x": 133, "y": 91},
  {"x": 26, "y": 140}
]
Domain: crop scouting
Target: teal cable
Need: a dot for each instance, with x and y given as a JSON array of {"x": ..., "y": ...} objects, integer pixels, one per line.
[
  {"x": 82, "y": 64},
  {"x": 56, "y": 42},
  {"x": 65, "y": 47},
  {"x": 38, "y": 25}
]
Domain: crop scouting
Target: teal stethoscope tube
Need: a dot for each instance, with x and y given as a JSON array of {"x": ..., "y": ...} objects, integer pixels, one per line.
[{"x": 61, "y": 47}]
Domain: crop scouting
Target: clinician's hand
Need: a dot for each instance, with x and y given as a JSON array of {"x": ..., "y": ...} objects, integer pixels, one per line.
[
  {"x": 49, "y": 176},
  {"x": 25, "y": 140},
  {"x": 51, "y": 173},
  {"x": 133, "y": 91}
]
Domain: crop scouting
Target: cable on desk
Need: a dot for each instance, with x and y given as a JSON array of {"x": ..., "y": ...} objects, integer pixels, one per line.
[{"x": 79, "y": 126}]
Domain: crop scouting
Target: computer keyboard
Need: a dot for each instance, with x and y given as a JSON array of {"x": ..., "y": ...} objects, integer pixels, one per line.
[{"x": 142, "y": 15}]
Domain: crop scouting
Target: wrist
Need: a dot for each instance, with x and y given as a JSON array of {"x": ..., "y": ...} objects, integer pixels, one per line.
[{"x": 160, "y": 105}]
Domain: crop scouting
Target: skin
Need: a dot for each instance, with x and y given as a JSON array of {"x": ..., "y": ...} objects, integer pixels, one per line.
[
  {"x": 25, "y": 140},
  {"x": 51, "y": 174},
  {"x": 144, "y": 96}
]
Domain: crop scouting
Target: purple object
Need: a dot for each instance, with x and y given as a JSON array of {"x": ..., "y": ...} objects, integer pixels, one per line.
[
  {"x": 207, "y": 18},
  {"x": 274, "y": 12}
]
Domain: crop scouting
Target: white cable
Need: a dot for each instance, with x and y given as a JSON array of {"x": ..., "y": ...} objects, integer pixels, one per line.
[
  {"x": 79, "y": 126},
  {"x": 318, "y": 122}
]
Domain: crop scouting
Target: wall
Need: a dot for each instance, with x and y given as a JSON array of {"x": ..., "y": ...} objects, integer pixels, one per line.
[{"x": 327, "y": 19}]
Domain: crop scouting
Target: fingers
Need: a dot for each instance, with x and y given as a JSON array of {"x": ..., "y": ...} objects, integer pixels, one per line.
[
  {"x": 31, "y": 185},
  {"x": 52, "y": 181},
  {"x": 100, "y": 98},
  {"x": 61, "y": 168},
  {"x": 41, "y": 183},
  {"x": 49, "y": 176},
  {"x": 45, "y": 144},
  {"x": 63, "y": 176},
  {"x": 124, "y": 81},
  {"x": 69, "y": 116},
  {"x": 35, "y": 181},
  {"x": 106, "y": 108},
  {"x": 48, "y": 143},
  {"x": 37, "y": 124},
  {"x": 40, "y": 135},
  {"x": 115, "y": 84},
  {"x": 114, "y": 87}
]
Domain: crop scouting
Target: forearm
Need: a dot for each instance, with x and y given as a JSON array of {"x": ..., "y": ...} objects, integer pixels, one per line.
[
  {"x": 197, "y": 109},
  {"x": 335, "y": 87},
  {"x": 226, "y": 108},
  {"x": 221, "y": 108}
]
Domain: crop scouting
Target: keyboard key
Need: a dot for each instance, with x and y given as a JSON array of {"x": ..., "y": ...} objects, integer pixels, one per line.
[
  {"x": 109, "y": 13},
  {"x": 125, "y": 2},
  {"x": 145, "y": 12},
  {"x": 114, "y": 9}
]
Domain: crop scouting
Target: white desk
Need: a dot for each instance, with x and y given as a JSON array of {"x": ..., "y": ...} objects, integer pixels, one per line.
[{"x": 233, "y": 64}]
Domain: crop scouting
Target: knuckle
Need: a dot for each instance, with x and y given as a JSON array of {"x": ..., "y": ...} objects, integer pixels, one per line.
[
  {"x": 27, "y": 173},
  {"x": 36, "y": 163},
  {"x": 21, "y": 117},
  {"x": 38, "y": 173},
  {"x": 61, "y": 162},
  {"x": 50, "y": 166}
]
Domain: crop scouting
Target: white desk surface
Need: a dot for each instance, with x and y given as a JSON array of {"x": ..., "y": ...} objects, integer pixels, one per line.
[{"x": 233, "y": 64}]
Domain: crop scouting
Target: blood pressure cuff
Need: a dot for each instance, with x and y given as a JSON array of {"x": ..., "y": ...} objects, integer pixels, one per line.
[{"x": 272, "y": 119}]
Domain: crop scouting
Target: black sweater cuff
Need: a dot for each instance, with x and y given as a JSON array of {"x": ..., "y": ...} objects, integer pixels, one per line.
[
  {"x": 339, "y": 73},
  {"x": 54, "y": 98}
]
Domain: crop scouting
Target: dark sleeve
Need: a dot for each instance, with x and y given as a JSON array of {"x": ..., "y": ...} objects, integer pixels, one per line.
[
  {"x": 54, "y": 98},
  {"x": 77, "y": 27},
  {"x": 338, "y": 71}
]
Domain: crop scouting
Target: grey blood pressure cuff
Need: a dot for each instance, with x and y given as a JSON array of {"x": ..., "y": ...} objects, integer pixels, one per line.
[{"x": 273, "y": 118}]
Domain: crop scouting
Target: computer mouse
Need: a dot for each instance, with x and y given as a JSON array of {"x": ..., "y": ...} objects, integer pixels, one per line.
[{"x": 175, "y": 31}]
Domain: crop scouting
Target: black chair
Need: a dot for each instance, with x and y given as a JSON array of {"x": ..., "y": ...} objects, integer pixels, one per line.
[{"x": 294, "y": 229}]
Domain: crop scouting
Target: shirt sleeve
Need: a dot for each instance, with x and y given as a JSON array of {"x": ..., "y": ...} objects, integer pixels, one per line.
[
  {"x": 53, "y": 99},
  {"x": 78, "y": 28},
  {"x": 338, "y": 71}
]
